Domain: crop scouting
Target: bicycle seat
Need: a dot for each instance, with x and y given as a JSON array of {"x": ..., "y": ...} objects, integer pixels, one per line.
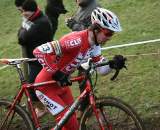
[{"x": 16, "y": 61}]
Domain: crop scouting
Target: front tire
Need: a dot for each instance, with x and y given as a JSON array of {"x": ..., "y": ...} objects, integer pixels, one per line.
[{"x": 114, "y": 114}]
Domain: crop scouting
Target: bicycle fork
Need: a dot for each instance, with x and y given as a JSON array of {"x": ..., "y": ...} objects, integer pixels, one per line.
[
  {"x": 96, "y": 112},
  {"x": 98, "y": 116}
]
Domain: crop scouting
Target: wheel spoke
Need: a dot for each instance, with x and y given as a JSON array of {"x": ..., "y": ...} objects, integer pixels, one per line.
[{"x": 114, "y": 114}]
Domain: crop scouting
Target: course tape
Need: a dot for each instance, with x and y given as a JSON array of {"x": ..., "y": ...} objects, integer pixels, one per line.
[
  {"x": 116, "y": 46},
  {"x": 131, "y": 44},
  {"x": 3, "y": 67}
]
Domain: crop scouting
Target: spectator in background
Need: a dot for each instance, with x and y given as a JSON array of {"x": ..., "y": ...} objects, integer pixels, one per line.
[
  {"x": 82, "y": 18},
  {"x": 53, "y": 10},
  {"x": 18, "y": 4},
  {"x": 80, "y": 21},
  {"x": 34, "y": 31}
]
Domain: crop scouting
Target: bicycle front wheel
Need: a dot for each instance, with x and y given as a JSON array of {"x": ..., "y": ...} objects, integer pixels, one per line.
[
  {"x": 18, "y": 119},
  {"x": 114, "y": 115}
]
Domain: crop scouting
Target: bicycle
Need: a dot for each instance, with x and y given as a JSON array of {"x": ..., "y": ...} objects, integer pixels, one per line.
[{"x": 105, "y": 113}]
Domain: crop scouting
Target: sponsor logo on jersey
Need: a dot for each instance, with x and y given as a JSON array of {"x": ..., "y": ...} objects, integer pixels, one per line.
[
  {"x": 74, "y": 64},
  {"x": 70, "y": 67},
  {"x": 73, "y": 42},
  {"x": 41, "y": 60},
  {"x": 81, "y": 58},
  {"x": 52, "y": 106}
]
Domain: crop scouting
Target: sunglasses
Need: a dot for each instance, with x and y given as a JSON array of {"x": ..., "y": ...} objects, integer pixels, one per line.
[{"x": 107, "y": 32}]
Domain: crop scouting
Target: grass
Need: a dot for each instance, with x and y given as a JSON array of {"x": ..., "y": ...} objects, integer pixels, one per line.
[{"x": 139, "y": 85}]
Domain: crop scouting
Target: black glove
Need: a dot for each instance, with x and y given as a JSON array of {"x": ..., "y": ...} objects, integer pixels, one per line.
[
  {"x": 118, "y": 62},
  {"x": 70, "y": 22},
  {"x": 62, "y": 78}
]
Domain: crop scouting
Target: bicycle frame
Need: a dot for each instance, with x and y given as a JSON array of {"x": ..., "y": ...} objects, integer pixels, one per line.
[
  {"x": 24, "y": 89},
  {"x": 96, "y": 105}
]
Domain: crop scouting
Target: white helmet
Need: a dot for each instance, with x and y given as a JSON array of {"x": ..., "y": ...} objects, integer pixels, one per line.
[{"x": 106, "y": 19}]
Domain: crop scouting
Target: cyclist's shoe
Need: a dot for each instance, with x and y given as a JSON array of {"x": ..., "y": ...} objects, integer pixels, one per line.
[
  {"x": 24, "y": 106},
  {"x": 41, "y": 112},
  {"x": 40, "y": 109}
]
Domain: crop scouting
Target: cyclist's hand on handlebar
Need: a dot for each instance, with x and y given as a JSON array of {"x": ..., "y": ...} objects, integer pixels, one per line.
[
  {"x": 62, "y": 78},
  {"x": 118, "y": 62}
]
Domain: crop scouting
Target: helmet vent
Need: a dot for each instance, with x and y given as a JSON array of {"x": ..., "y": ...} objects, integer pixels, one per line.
[
  {"x": 110, "y": 21},
  {"x": 113, "y": 27},
  {"x": 94, "y": 12},
  {"x": 116, "y": 22},
  {"x": 104, "y": 16},
  {"x": 99, "y": 17},
  {"x": 98, "y": 10},
  {"x": 110, "y": 15},
  {"x": 105, "y": 23}
]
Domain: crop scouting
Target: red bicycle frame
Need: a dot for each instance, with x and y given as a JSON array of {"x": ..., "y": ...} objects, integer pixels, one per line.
[{"x": 24, "y": 89}]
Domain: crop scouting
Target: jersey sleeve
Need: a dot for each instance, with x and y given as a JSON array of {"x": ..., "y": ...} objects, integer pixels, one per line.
[
  {"x": 98, "y": 58},
  {"x": 47, "y": 55},
  {"x": 96, "y": 54}
]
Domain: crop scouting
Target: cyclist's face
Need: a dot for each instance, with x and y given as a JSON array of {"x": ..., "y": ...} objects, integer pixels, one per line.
[{"x": 104, "y": 35}]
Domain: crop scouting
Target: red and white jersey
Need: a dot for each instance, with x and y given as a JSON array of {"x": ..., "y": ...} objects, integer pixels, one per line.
[{"x": 68, "y": 53}]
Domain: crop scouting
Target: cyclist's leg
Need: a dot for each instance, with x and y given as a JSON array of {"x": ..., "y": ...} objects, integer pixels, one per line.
[
  {"x": 52, "y": 95},
  {"x": 67, "y": 97},
  {"x": 49, "y": 92}
]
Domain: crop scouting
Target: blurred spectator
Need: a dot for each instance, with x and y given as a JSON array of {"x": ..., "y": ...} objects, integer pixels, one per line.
[
  {"x": 81, "y": 20},
  {"x": 34, "y": 31},
  {"x": 53, "y": 10}
]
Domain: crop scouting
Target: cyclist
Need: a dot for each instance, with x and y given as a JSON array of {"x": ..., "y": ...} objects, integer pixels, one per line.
[
  {"x": 60, "y": 58},
  {"x": 81, "y": 21}
]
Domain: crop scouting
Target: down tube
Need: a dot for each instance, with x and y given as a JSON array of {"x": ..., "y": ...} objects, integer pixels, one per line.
[{"x": 70, "y": 111}]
